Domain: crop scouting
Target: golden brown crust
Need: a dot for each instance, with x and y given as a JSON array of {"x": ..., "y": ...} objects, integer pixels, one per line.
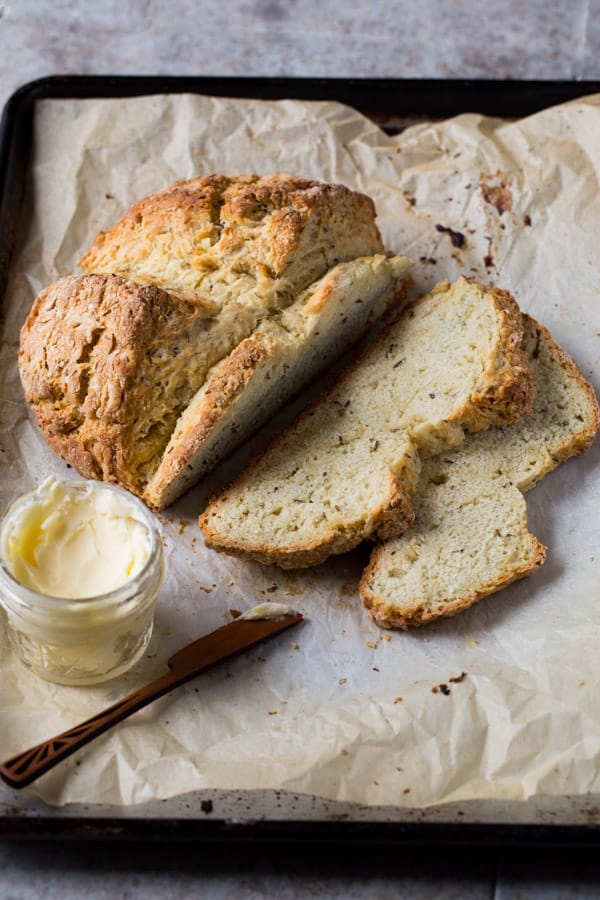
[
  {"x": 262, "y": 226},
  {"x": 88, "y": 350}
]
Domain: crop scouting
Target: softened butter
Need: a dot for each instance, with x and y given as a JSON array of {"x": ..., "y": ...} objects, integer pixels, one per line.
[
  {"x": 267, "y": 610},
  {"x": 81, "y": 565},
  {"x": 75, "y": 543}
]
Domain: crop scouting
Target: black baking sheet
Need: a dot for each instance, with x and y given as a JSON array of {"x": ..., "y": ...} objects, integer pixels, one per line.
[{"x": 203, "y": 817}]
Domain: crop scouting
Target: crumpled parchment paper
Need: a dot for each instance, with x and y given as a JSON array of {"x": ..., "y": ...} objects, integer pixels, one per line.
[{"x": 336, "y": 707}]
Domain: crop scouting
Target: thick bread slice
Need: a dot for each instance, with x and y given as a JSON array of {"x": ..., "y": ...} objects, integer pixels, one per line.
[
  {"x": 347, "y": 468},
  {"x": 470, "y": 536},
  {"x": 110, "y": 361},
  {"x": 270, "y": 366}
]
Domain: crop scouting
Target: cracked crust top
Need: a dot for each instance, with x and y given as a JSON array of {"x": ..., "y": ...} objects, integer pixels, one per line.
[
  {"x": 198, "y": 235},
  {"x": 93, "y": 350}
]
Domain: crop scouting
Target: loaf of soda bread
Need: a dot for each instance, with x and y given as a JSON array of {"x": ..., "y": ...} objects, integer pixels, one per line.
[
  {"x": 470, "y": 536},
  {"x": 347, "y": 469},
  {"x": 204, "y": 308}
]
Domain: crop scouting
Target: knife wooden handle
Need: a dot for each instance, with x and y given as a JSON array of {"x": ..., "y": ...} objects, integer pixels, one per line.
[{"x": 25, "y": 767}]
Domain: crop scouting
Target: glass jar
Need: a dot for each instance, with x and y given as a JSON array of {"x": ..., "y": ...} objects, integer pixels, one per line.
[{"x": 86, "y": 639}]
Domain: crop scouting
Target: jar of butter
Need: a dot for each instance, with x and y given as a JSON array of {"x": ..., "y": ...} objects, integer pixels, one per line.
[{"x": 81, "y": 565}]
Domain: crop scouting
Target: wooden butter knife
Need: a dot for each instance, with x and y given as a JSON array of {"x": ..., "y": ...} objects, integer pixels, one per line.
[{"x": 225, "y": 642}]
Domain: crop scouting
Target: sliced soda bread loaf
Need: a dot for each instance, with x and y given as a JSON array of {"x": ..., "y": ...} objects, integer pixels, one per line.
[
  {"x": 470, "y": 536},
  {"x": 347, "y": 468},
  {"x": 208, "y": 289}
]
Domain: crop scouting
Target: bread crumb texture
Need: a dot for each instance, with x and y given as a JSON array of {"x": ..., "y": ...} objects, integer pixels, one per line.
[
  {"x": 470, "y": 536},
  {"x": 110, "y": 360},
  {"x": 266, "y": 369},
  {"x": 347, "y": 469}
]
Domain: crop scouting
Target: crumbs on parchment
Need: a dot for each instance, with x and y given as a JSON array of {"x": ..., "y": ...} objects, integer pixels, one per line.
[
  {"x": 443, "y": 687},
  {"x": 457, "y": 237},
  {"x": 497, "y": 195}
]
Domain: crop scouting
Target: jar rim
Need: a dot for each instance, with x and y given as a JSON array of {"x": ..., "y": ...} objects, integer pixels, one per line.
[{"x": 26, "y": 595}]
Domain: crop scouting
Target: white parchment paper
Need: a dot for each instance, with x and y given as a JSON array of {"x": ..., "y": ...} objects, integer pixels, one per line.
[{"x": 337, "y": 708}]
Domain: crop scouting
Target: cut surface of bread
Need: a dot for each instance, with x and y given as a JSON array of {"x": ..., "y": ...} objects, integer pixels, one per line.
[
  {"x": 470, "y": 537},
  {"x": 346, "y": 470},
  {"x": 272, "y": 365},
  {"x": 112, "y": 360}
]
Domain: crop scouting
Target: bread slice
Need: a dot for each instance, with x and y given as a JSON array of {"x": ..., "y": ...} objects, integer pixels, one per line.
[
  {"x": 264, "y": 371},
  {"x": 112, "y": 360},
  {"x": 470, "y": 536},
  {"x": 347, "y": 468}
]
